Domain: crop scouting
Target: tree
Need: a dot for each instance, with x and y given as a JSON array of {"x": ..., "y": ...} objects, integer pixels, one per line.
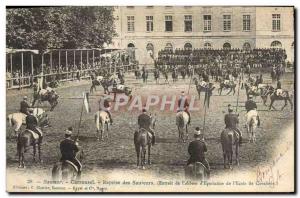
[{"x": 59, "y": 27}]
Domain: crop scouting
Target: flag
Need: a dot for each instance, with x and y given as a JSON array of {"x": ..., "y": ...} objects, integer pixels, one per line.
[{"x": 86, "y": 102}]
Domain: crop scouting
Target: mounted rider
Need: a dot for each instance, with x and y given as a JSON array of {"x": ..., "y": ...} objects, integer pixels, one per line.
[
  {"x": 24, "y": 106},
  {"x": 278, "y": 88},
  {"x": 68, "y": 149},
  {"x": 183, "y": 105},
  {"x": 32, "y": 124},
  {"x": 144, "y": 121},
  {"x": 250, "y": 105},
  {"x": 231, "y": 122},
  {"x": 104, "y": 105},
  {"x": 197, "y": 149}
]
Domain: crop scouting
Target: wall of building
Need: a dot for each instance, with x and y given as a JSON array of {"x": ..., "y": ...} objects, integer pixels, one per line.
[{"x": 259, "y": 36}]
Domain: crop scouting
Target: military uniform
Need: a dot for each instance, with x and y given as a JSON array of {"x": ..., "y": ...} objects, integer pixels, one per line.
[
  {"x": 32, "y": 124},
  {"x": 144, "y": 121},
  {"x": 68, "y": 149},
  {"x": 24, "y": 107},
  {"x": 250, "y": 105},
  {"x": 183, "y": 105},
  {"x": 197, "y": 149},
  {"x": 231, "y": 122},
  {"x": 106, "y": 107}
]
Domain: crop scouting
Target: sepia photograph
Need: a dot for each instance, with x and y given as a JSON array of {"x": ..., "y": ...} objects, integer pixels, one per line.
[{"x": 150, "y": 99}]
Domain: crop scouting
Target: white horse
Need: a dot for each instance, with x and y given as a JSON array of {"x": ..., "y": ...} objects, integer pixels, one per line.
[
  {"x": 102, "y": 119},
  {"x": 251, "y": 124},
  {"x": 17, "y": 119},
  {"x": 182, "y": 119}
]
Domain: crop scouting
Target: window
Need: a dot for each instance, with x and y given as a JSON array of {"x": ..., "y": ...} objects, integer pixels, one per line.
[
  {"x": 188, "y": 46},
  {"x": 226, "y": 46},
  {"x": 227, "y": 23},
  {"x": 130, "y": 23},
  {"x": 150, "y": 50},
  {"x": 207, "y": 22},
  {"x": 246, "y": 22},
  {"x": 276, "y": 44},
  {"x": 168, "y": 24},
  {"x": 169, "y": 47},
  {"x": 149, "y": 23},
  {"x": 188, "y": 23},
  {"x": 276, "y": 22},
  {"x": 207, "y": 46}
]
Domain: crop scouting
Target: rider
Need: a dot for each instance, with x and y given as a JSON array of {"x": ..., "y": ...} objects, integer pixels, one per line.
[
  {"x": 24, "y": 106},
  {"x": 231, "y": 122},
  {"x": 251, "y": 105},
  {"x": 183, "y": 105},
  {"x": 104, "y": 105},
  {"x": 69, "y": 148},
  {"x": 144, "y": 121},
  {"x": 278, "y": 88},
  {"x": 32, "y": 124},
  {"x": 197, "y": 149}
]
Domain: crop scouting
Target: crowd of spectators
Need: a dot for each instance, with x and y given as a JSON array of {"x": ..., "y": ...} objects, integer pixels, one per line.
[{"x": 266, "y": 57}]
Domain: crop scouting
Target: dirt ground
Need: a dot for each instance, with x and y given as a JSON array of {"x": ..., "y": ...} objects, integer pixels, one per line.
[{"x": 168, "y": 156}]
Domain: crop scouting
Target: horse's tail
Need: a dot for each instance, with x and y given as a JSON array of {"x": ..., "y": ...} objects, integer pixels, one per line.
[{"x": 180, "y": 120}]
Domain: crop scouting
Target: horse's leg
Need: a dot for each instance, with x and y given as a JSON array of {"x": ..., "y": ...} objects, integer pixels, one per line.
[
  {"x": 291, "y": 103},
  {"x": 40, "y": 152},
  {"x": 186, "y": 131},
  {"x": 137, "y": 149},
  {"x": 224, "y": 156},
  {"x": 285, "y": 104},
  {"x": 107, "y": 130},
  {"x": 237, "y": 147},
  {"x": 34, "y": 151},
  {"x": 149, "y": 153},
  {"x": 230, "y": 90},
  {"x": 179, "y": 134}
]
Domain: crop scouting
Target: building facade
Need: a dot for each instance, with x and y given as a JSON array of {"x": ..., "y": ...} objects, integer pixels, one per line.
[{"x": 148, "y": 29}]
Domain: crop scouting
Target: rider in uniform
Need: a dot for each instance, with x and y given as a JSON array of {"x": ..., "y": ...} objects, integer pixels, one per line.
[
  {"x": 231, "y": 122},
  {"x": 69, "y": 148},
  {"x": 144, "y": 121},
  {"x": 32, "y": 124},
  {"x": 183, "y": 105},
  {"x": 251, "y": 105},
  {"x": 24, "y": 106},
  {"x": 278, "y": 88},
  {"x": 197, "y": 149},
  {"x": 104, "y": 104}
]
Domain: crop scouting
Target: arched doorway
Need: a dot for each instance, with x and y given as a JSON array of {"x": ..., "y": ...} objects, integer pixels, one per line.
[
  {"x": 227, "y": 46},
  {"x": 169, "y": 47},
  {"x": 150, "y": 50},
  {"x": 188, "y": 46},
  {"x": 276, "y": 44},
  {"x": 246, "y": 46},
  {"x": 131, "y": 51}
]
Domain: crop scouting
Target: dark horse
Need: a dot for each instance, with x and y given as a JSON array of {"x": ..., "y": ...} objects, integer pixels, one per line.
[
  {"x": 142, "y": 140},
  {"x": 24, "y": 140},
  {"x": 145, "y": 76},
  {"x": 51, "y": 97},
  {"x": 201, "y": 88},
  {"x": 104, "y": 82},
  {"x": 230, "y": 86},
  {"x": 284, "y": 96},
  {"x": 64, "y": 171},
  {"x": 229, "y": 139}
]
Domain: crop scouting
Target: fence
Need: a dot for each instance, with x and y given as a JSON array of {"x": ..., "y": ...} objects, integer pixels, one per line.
[{"x": 26, "y": 81}]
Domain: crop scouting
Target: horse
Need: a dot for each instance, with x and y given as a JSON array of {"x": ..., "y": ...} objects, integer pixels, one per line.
[
  {"x": 145, "y": 76},
  {"x": 24, "y": 140},
  {"x": 142, "y": 140},
  {"x": 65, "y": 171},
  {"x": 96, "y": 82},
  {"x": 102, "y": 120},
  {"x": 251, "y": 124},
  {"x": 229, "y": 139},
  {"x": 156, "y": 76},
  {"x": 231, "y": 86},
  {"x": 182, "y": 119},
  {"x": 18, "y": 119},
  {"x": 43, "y": 95},
  {"x": 283, "y": 96},
  {"x": 196, "y": 171},
  {"x": 260, "y": 90},
  {"x": 174, "y": 75},
  {"x": 203, "y": 88}
]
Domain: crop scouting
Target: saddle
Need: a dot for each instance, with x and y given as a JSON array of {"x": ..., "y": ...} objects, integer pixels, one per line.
[
  {"x": 230, "y": 131},
  {"x": 34, "y": 134},
  {"x": 65, "y": 162},
  {"x": 148, "y": 133},
  {"x": 279, "y": 92}
]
